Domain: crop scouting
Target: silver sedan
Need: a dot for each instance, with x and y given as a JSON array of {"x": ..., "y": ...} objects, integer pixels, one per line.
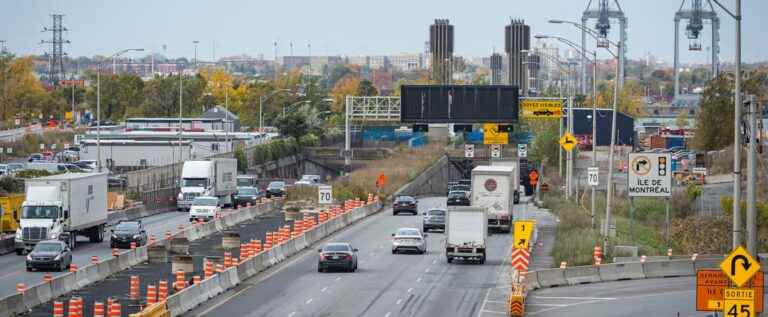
[{"x": 409, "y": 240}]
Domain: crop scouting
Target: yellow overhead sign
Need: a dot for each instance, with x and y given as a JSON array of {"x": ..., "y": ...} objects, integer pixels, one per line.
[
  {"x": 740, "y": 266},
  {"x": 568, "y": 141},
  {"x": 542, "y": 109},
  {"x": 739, "y": 302},
  {"x": 491, "y": 134},
  {"x": 523, "y": 233}
]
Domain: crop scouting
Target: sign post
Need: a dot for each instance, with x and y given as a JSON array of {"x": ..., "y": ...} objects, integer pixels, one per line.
[
  {"x": 650, "y": 175},
  {"x": 469, "y": 150}
]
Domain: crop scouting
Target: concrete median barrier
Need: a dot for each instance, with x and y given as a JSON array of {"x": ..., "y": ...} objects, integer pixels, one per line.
[
  {"x": 711, "y": 263},
  {"x": 582, "y": 275},
  {"x": 105, "y": 269},
  {"x": 551, "y": 277},
  {"x": 669, "y": 268},
  {"x": 63, "y": 284},
  {"x": 13, "y": 304},
  {"x": 30, "y": 297},
  {"x": 532, "y": 281},
  {"x": 229, "y": 278},
  {"x": 87, "y": 275},
  {"x": 621, "y": 271},
  {"x": 301, "y": 242},
  {"x": 213, "y": 286}
]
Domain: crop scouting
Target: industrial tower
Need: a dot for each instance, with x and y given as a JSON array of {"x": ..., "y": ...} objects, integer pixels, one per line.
[
  {"x": 517, "y": 42},
  {"x": 441, "y": 47},
  {"x": 603, "y": 15},
  {"x": 696, "y": 16},
  {"x": 56, "y": 57}
]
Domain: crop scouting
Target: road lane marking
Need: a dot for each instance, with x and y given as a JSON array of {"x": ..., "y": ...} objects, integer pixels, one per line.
[
  {"x": 291, "y": 314},
  {"x": 309, "y": 301},
  {"x": 410, "y": 289},
  {"x": 497, "y": 301},
  {"x": 434, "y": 261},
  {"x": 338, "y": 278},
  {"x": 547, "y": 305},
  {"x": 493, "y": 312},
  {"x": 426, "y": 270},
  {"x": 498, "y": 274},
  {"x": 399, "y": 300},
  {"x": 566, "y": 297},
  {"x": 418, "y": 280},
  {"x": 387, "y": 314},
  {"x": 324, "y": 289}
]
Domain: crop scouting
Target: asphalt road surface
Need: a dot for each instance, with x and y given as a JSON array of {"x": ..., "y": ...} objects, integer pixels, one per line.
[
  {"x": 385, "y": 284},
  {"x": 651, "y": 297},
  {"x": 13, "y": 267}
]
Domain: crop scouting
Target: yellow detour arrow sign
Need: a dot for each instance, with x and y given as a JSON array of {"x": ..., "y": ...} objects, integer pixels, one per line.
[
  {"x": 523, "y": 233},
  {"x": 516, "y": 300},
  {"x": 568, "y": 141},
  {"x": 491, "y": 134},
  {"x": 542, "y": 109},
  {"x": 739, "y": 302},
  {"x": 740, "y": 266}
]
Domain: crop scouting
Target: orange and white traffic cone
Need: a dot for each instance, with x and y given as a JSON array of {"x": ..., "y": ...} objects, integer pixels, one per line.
[
  {"x": 133, "y": 290},
  {"x": 21, "y": 288},
  {"x": 162, "y": 290},
  {"x": 98, "y": 309},
  {"x": 58, "y": 309},
  {"x": 208, "y": 271},
  {"x": 151, "y": 295},
  {"x": 181, "y": 281}
]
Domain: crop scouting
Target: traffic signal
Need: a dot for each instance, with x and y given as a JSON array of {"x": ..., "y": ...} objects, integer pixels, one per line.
[
  {"x": 505, "y": 128},
  {"x": 457, "y": 128}
]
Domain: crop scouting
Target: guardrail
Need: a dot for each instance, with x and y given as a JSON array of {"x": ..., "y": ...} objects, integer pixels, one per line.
[{"x": 20, "y": 303}]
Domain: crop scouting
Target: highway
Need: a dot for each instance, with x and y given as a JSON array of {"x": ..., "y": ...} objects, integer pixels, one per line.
[
  {"x": 385, "y": 284},
  {"x": 13, "y": 267},
  {"x": 651, "y": 297}
]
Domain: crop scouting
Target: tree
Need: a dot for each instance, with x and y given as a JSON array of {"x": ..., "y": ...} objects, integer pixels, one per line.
[
  {"x": 366, "y": 88},
  {"x": 545, "y": 144},
  {"x": 118, "y": 93},
  {"x": 347, "y": 86},
  {"x": 20, "y": 90},
  {"x": 714, "y": 121}
]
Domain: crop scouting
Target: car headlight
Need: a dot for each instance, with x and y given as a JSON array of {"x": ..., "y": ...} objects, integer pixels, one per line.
[
  {"x": 29, "y": 257},
  {"x": 18, "y": 234},
  {"x": 54, "y": 235},
  {"x": 136, "y": 236},
  {"x": 58, "y": 257},
  {"x": 180, "y": 196},
  {"x": 114, "y": 236}
]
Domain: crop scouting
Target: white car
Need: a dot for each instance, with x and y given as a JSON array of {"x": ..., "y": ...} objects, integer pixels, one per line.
[
  {"x": 409, "y": 240},
  {"x": 204, "y": 208}
]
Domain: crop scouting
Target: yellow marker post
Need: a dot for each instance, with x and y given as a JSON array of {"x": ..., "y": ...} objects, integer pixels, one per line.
[
  {"x": 740, "y": 266},
  {"x": 739, "y": 302},
  {"x": 523, "y": 233}
]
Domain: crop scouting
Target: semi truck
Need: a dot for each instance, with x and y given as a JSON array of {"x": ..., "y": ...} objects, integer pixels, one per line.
[
  {"x": 214, "y": 177},
  {"x": 466, "y": 232},
  {"x": 62, "y": 207},
  {"x": 515, "y": 164},
  {"x": 492, "y": 189}
]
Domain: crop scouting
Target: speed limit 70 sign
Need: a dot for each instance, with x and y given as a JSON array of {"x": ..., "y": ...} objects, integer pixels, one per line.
[
  {"x": 324, "y": 194},
  {"x": 592, "y": 176}
]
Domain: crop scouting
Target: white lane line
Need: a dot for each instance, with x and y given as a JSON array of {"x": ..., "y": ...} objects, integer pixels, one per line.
[
  {"x": 566, "y": 297},
  {"x": 434, "y": 261},
  {"x": 410, "y": 289},
  {"x": 324, "y": 289},
  {"x": 291, "y": 314},
  {"x": 388, "y": 313},
  {"x": 418, "y": 280},
  {"x": 493, "y": 312},
  {"x": 498, "y": 274},
  {"x": 496, "y": 301},
  {"x": 309, "y": 301},
  {"x": 399, "y": 300},
  {"x": 426, "y": 270},
  {"x": 338, "y": 278},
  {"x": 546, "y": 305}
]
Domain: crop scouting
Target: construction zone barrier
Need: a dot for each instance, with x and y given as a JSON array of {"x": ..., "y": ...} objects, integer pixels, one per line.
[{"x": 516, "y": 300}]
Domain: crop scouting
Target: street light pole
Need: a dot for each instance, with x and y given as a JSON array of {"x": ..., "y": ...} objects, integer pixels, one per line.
[
  {"x": 593, "y": 195},
  {"x": 609, "y": 196}
]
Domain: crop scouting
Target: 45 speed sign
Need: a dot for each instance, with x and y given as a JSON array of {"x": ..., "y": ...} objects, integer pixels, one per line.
[{"x": 324, "y": 194}]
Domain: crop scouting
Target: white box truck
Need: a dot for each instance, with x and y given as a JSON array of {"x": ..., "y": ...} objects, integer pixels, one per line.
[
  {"x": 214, "y": 177},
  {"x": 492, "y": 189},
  {"x": 62, "y": 207},
  {"x": 514, "y": 163},
  {"x": 466, "y": 232}
]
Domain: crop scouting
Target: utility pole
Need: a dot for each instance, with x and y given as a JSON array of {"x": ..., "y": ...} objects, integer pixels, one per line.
[
  {"x": 752, "y": 177},
  {"x": 594, "y": 133},
  {"x": 737, "y": 136},
  {"x": 181, "y": 128},
  {"x": 609, "y": 184}
]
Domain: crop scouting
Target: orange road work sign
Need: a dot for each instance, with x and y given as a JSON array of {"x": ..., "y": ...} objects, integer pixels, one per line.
[
  {"x": 711, "y": 284},
  {"x": 533, "y": 177},
  {"x": 381, "y": 180}
]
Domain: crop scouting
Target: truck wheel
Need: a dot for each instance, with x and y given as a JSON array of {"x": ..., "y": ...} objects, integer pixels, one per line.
[
  {"x": 450, "y": 259},
  {"x": 482, "y": 259}
]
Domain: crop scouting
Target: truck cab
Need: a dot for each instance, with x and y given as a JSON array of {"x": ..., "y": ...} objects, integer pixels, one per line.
[{"x": 196, "y": 180}]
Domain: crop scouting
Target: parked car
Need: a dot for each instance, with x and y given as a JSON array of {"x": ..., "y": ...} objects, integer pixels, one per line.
[
  {"x": 433, "y": 219},
  {"x": 275, "y": 189},
  {"x": 117, "y": 180},
  {"x": 15, "y": 167},
  {"x": 246, "y": 195},
  {"x": 310, "y": 180},
  {"x": 409, "y": 240},
  {"x": 405, "y": 204},
  {"x": 458, "y": 198},
  {"x": 87, "y": 165},
  {"x": 49, "y": 254},
  {"x": 35, "y": 157},
  {"x": 126, "y": 232},
  {"x": 339, "y": 255}
]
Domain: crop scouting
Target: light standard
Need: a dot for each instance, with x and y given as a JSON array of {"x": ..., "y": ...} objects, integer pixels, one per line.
[
  {"x": 583, "y": 51},
  {"x": 98, "y": 102},
  {"x": 563, "y": 73},
  {"x": 195, "y": 42},
  {"x": 262, "y": 99},
  {"x": 605, "y": 43}
]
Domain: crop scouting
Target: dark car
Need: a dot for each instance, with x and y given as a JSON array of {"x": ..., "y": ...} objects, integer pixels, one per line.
[
  {"x": 434, "y": 219},
  {"x": 405, "y": 204},
  {"x": 466, "y": 182},
  {"x": 246, "y": 195},
  {"x": 117, "y": 181},
  {"x": 337, "y": 255},
  {"x": 458, "y": 198},
  {"x": 126, "y": 232},
  {"x": 276, "y": 189},
  {"x": 49, "y": 254},
  {"x": 35, "y": 157}
]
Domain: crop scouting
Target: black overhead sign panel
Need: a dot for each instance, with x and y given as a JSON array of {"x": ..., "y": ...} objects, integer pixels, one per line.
[{"x": 458, "y": 104}]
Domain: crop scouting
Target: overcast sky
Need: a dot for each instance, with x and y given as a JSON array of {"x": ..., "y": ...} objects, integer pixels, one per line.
[{"x": 348, "y": 27}]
